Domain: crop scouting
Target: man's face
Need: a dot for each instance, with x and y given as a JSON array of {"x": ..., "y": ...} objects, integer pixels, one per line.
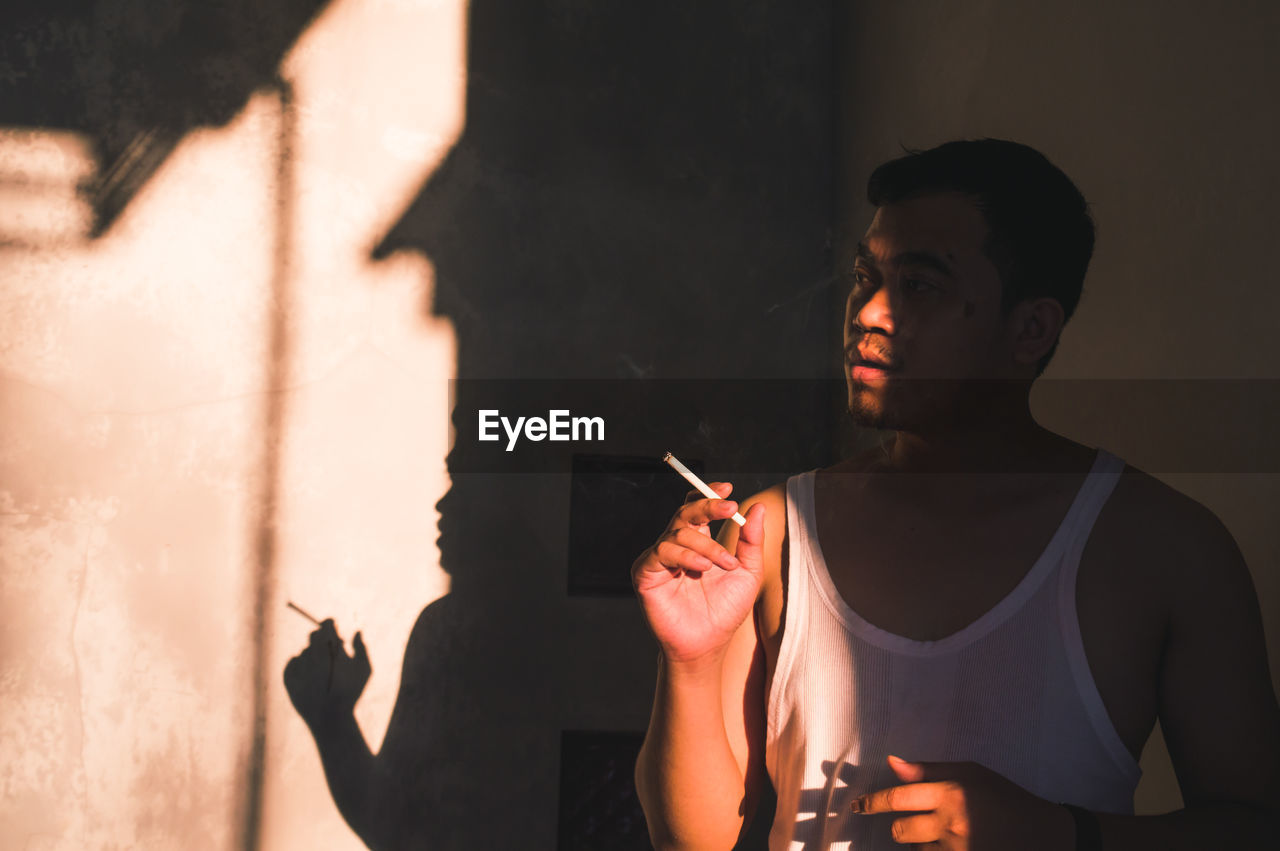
[{"x": 925, "y": 299}]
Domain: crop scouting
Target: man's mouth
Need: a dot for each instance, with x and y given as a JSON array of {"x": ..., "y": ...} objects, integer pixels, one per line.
[
  {"x": 865, "y": 363},
  {"x": 861, "y": 369}
]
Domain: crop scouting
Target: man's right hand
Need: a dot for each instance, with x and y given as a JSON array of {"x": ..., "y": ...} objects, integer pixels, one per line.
[
  {"x": 694, "y": 593},
  {"x": 323, "y": 682}
]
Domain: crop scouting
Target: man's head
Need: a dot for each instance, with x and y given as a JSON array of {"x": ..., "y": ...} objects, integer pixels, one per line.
[{"x": 973, "y": 263}]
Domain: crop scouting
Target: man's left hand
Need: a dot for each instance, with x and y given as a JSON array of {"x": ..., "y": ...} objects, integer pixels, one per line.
[{"x": 964, "y": 806}]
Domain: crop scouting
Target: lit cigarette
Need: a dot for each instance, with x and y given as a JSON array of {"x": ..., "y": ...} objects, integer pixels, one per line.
[
  {"x": 699, "y": 484},
  {"x": 302, "y": 612}
]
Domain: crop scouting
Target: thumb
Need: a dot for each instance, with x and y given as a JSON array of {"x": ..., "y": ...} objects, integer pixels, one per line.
[
  {"x": 750, "y": 549},
  {"x": 361, "y": 652},
  {"x": 912, "y": 772}
]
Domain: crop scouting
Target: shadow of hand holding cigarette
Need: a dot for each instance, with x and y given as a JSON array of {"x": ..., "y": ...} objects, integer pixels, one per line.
[{"x": 323, "y": 681}]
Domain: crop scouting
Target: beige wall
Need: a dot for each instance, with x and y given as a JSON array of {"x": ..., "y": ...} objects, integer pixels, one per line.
[
  {"x": 1161, "y": 112},
  {"x": 130, "y": 375},
  {"x": 133, "y": 455}
]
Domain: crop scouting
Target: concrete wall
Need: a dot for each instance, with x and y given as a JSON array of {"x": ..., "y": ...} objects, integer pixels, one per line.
[
  {"x": 1161, "y": 113},
  {"x": 222, "y": 387},
  {"x": 236, "y": 395}
]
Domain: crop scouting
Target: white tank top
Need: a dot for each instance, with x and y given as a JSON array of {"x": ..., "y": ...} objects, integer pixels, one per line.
[{"x": 1012, "y": 691}]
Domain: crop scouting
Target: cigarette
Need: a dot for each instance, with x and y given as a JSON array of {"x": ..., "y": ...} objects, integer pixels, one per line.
[
  {"x": 302, "y": 612},
  {"x": 699, "y": 484}
]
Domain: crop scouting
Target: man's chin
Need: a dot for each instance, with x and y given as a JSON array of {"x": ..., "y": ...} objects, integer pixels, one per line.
[
  {"x": 896, "y": 412},
  {"x": 872, "y": 416}
]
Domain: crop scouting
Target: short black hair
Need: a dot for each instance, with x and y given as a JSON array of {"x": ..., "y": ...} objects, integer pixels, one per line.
[{"x": 1040, "y": 231}]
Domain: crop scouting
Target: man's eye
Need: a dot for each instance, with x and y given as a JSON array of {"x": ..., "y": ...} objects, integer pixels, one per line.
[{"x": 918, "y": 286}]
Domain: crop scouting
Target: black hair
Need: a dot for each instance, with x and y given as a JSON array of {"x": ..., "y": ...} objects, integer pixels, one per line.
[{"x": 1040, "y": 233}]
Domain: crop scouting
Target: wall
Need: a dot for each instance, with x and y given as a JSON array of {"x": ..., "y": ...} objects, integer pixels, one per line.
[
  {"x": 226, "y": 384},
  {"x": 218, "y": 404}
]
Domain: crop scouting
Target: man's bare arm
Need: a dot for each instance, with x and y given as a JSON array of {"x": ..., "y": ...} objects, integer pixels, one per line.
[
  {"x": 324, "y": 684},
  {"x": 700, "y": 769},
  {"x": 1218, "y": 707},
  {"x": 695, "y": 784}
]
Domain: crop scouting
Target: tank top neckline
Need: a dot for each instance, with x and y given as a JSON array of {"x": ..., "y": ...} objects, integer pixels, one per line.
[{"x": 1048, "y": 560}]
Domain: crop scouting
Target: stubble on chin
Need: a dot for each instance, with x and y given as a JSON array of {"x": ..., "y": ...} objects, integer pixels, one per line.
[
  {"x": 869, "y": 412},
  {"x": 928, "y": 405}
]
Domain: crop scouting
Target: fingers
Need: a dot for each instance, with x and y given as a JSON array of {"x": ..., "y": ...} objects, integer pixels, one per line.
[
  {"x": 913, "y": 796},
  {"x": 750, "y": 547},
  {"x": 326, "y": 633},
  {"x": 361, "y": 652},
  {"x": 911, "y": 772},
  {"x": 687, "y": 545},
  {"x": 722, "y": 488},
  {"x": 926, "y": 827},
  {"x": 690, "y": 550},
  {"x": 701, "y": 511}
]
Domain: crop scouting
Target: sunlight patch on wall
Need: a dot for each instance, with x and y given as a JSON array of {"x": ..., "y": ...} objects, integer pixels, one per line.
[{"x": 43, "y": 177}]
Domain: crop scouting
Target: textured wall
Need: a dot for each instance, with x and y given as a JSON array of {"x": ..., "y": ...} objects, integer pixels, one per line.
[
  {"x": 265, "y": 239},
  {"x": 149, "y": 478},
  {"x": 130, "y": 376}
]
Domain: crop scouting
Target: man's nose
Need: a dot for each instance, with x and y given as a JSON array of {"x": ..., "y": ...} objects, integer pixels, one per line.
[{"x": 877, "y": 312}]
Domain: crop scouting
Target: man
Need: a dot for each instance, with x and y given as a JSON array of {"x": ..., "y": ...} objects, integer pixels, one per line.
[{"x": 947, "y": 639}]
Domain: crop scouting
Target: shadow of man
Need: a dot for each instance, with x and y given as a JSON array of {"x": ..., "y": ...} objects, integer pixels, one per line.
[{"x": 625, "y": 176}]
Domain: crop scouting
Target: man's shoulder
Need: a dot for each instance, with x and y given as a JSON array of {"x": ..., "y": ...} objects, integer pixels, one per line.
[
  {"x": 774, "y": 499},
  {"x": 1168, "y": 537},
  {"x": 1148, "y": 506}
]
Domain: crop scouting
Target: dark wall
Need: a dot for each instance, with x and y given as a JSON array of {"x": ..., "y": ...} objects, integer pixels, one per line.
[
  {"x": 135, "y": 76},
  {"x": 641, "y": 194},
  {"x": 638, "y": 192}
]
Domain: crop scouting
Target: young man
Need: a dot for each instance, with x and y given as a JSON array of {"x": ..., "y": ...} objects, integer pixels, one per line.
[{"x": 945, "y": 640}]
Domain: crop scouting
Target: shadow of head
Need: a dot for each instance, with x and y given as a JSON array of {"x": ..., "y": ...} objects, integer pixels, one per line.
[
  {"x": 135, "y": 76},
  {"x": 619, "y": 176}
]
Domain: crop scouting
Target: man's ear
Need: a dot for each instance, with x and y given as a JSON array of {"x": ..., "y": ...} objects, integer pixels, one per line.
[{"x": 1033, "y": 327}]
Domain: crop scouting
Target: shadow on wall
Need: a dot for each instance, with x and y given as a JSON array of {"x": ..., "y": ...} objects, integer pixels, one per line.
[
  {"x": 135, "y": 76},
  {"x": 640, "y": 193}
]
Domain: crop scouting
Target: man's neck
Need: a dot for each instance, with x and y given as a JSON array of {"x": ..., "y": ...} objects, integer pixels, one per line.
[
  {"x": 1021, "y": 450},
  {"x": 975, "y": 473},
  {"x": 1004, "y": 439}
]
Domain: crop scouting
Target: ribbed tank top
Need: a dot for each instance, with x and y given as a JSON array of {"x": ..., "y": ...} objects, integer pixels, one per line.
[{"x": 1012, "y": 691}]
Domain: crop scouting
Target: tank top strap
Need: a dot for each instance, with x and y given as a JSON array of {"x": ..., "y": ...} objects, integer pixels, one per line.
[
  {"x": 1093, "y": 495},
  {"x": 1102, "y": 482},
  {"x": 796, "y": 591}
]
